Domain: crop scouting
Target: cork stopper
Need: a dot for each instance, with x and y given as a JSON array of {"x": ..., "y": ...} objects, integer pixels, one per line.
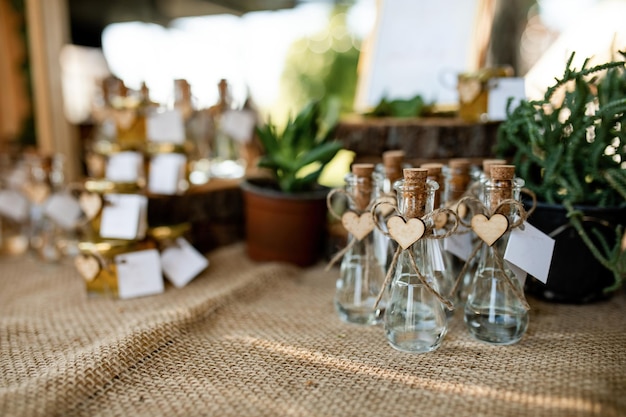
[
  {"x": 503, "y": 172},
  {"x": 488, "y": 163},
  {"x": 502, "y": 179},
  {"x": 459, "y": 179},
  {"x": 459, "y": 163},
  {"x": 393, "y": 158},
  {"x": 434, "y": 168},
  {"x": 363, "y": 184},
  {"x": 415, "y": 176},
  {"x": 414, "y": 193},
  {"x": 392, "y": 161},
  {"x": 435, "y": 173}
]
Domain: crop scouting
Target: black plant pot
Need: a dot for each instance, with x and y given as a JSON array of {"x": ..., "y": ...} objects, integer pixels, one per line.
[{"x": 575, "y": 275}]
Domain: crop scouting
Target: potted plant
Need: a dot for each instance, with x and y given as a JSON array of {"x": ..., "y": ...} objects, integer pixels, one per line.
[
  {"x": 286, "y": 211},
  {"x": 570, "y": 148}
]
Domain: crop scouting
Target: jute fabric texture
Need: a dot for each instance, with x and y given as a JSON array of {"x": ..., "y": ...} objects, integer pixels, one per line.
[{"x": 251, "y": 339}]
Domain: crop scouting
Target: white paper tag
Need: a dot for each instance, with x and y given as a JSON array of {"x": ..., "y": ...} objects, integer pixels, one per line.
[
  {"x": 166, "y": 126},
  {"x": 460, "y": 245},
  {"x": 530, "y": 250},
  {"x": 500, "y": 90},
  {"x": 13, "y": 205},
  {"x": 139, "y": 274},
  {"x": 64, "y": 210},
  {"x": 124, "y": 167},
  {"x": 123, "y": 216},
  {"x": 238, "y": 124},
  {"x": 166, "y": 172},
  {"x": 182, "y": 263}
]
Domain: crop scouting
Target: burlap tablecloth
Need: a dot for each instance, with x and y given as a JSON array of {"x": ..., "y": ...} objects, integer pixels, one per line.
[{"x": 247, "y": 339}]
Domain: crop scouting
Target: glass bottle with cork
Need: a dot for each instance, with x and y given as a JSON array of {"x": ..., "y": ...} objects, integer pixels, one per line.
[
  {"x": 415, "y": 320},
  {"x": 361, "y": 273},
  {"x": 391, "y": 169},
  {"x": 225, "y": 158},
  {"x": 496, "y": 310},
  {"x": 441, "y": 260}
]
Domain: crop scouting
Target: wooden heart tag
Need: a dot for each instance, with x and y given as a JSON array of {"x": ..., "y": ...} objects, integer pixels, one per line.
[
  {"x": 358, "y": 226},
  {"x": 90, "y": 204},
  {"x": 469, "y": 90},
  {"x": 489, "y": 230},
  {"x": 87, "y": 266},
  {"x": 405, "y": 233}
]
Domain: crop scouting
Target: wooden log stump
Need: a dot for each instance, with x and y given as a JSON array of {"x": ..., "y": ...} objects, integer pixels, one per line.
[{"x": 422, "y": 139}]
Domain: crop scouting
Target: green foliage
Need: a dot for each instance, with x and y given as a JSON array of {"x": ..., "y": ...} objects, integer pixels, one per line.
[
  {"x": 324, "y": 64},
  {"x": 574, "y": 152},
  {"x": 412, "y": 107},
  {"x": 306, "y": 143}
]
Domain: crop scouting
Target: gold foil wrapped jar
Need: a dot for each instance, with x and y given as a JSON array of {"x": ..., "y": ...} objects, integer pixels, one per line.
[
  {"x": 96, "y": 263},
  {"x": 93, "y": 199},
  {"x": 473, "y": 89},
  {"x": 165, "y": 236}
]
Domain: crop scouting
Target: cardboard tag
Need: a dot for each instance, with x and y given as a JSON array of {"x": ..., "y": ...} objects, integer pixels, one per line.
[
  {"x": 166, "y": 172},
  {"x": 459, "y": 244},
  {"x": 64, "y": 210},
  {"x": 13, "y": 205},
  {"x": 358, "y": 226},
  {"x": 166, "y": 126},
  {"x": 139, "y": 274},
  {"x": 124, "y": 167},
  {"x": 500, "y": 90},
  {"x": 123, "y": 216},
  {"x": 405, "y": 233},
  {"x": 530, "y": 250},
  {"x": 182, "y": 263},
  {"x": 238, "y": 124}
]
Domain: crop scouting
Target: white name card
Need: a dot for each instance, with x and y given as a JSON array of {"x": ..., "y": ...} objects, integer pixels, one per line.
[
  {"x": 166, "y": 173},
  {"x": 238, "y": 124},
  {"x": 166, "y": 126},
  {"x": 139, "y": 274},
  {"x": 530, "y": 250},
  {"x": 182, "y": 263},
  {"x": 460, "y": 245},
  {"x": 124, "y": 216},
  {"x": 13, "y": 205},
  {"x": 124, "y": 167},
  {"x": 500, "y": 91},
  {"x": 64, "y": 210}
]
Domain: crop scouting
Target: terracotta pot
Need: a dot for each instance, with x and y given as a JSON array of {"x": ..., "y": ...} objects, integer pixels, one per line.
[
  {"x": 575, "y": 275},
  {"x": 284, "y": 227}
]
